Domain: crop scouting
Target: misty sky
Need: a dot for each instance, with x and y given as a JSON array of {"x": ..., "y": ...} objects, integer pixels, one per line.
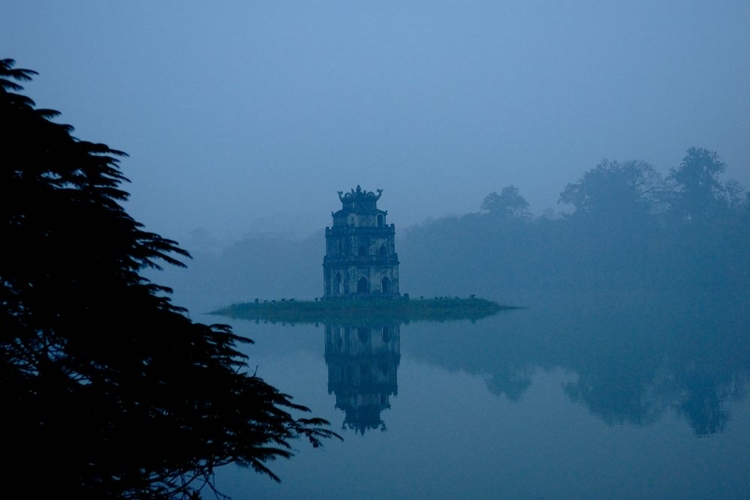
[{"x": 236, "y": 111}]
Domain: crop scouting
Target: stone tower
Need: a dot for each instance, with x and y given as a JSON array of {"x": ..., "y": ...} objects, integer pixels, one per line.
[{"x": 361, "y": 259}]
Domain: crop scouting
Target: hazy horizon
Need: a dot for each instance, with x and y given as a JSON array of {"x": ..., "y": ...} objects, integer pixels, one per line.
[
  {"x": 622, "y": 369},
  {"x": 244, "y": 117}
]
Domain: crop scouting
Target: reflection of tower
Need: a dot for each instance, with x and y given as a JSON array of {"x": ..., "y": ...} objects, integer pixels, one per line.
[
  {"x": 362, "y": 364},
  {"x": 361, "y": 257}
]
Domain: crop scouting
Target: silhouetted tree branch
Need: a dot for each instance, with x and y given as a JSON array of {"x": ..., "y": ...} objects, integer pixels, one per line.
[{"x": 110, "y": 391}]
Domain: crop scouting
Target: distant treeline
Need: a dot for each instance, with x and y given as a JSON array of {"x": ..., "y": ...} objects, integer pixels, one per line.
[{"x": 630, "y": 228}]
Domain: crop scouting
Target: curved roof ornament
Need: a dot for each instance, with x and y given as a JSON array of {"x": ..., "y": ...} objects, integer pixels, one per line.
[{"x": 359, "y": 193}]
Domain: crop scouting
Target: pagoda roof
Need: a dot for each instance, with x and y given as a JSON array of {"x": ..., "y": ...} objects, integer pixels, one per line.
[{"x": 359, "y": 194}]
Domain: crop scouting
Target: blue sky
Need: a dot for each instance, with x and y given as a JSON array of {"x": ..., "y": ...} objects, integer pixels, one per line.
[{"x": 238, "y": 115}]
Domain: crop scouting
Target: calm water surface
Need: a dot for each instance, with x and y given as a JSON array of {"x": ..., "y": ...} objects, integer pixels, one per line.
[{"x": 597, "y": 396}]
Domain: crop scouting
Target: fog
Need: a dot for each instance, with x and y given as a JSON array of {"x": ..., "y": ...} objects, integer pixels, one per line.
[
  {"x": 247, "y": 117},
  {"x": 586, "y": 161}
]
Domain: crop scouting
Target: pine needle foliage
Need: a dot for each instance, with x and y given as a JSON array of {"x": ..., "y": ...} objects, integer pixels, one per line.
[{"x": 110, "y": 390}]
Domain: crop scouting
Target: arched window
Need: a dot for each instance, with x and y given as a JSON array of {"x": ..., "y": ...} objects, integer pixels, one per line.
[
  {"x": 382, "y": 251},
  {"x": 385, "y": 285},
  {"x": 363, "y": 286},
  {"x": 364, "y": 334},
  {"x": 381, "y": 220},
  {"x": 337, "y": 284},
  {"x": 386, "y": 334}
]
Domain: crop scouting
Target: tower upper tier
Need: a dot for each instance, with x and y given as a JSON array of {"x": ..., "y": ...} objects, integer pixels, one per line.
[{"x": 359, "y": 208}]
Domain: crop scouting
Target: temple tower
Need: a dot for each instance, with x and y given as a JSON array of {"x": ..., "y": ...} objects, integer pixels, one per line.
[{"x": 361, "y": 259}]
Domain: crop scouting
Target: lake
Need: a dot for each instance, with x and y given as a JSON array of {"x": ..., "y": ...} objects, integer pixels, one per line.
[{"x": 609, "y": 395}]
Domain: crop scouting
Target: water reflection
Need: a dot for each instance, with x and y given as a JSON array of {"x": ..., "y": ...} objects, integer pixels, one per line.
[
  {"x": 630, "y": 361},
  {"x": 518, "y": 405},
  {"x": 362, "y": 362},
  {"x": 629, "y": 358}
]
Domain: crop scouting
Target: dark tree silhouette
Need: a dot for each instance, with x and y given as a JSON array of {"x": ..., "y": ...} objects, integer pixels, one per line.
[
  {"x": 109, "y": 390},
  {"x": 699, "y": 194},
  {"x": 507, "y": 205},
  {"x": 614, "y": 191}
]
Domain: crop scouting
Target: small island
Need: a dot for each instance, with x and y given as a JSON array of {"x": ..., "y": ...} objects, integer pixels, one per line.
[
  {"x": 361, "y": 277},
  {"x": 402, "y": 310}
]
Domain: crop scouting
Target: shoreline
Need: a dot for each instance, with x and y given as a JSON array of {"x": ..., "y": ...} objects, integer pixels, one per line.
[{"x": 402, "y": 310}]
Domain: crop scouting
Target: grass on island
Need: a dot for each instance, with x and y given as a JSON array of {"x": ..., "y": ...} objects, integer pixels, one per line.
[{"x": 331, "y": 311}]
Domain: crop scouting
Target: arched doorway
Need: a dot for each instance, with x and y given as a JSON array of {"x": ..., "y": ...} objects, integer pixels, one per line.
[
  {"x": 337, "y": 284},
  {"x": 363, "y": 286},
  {"x": 385, "y": 285},
  {"x": 386, "y": 334}
]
